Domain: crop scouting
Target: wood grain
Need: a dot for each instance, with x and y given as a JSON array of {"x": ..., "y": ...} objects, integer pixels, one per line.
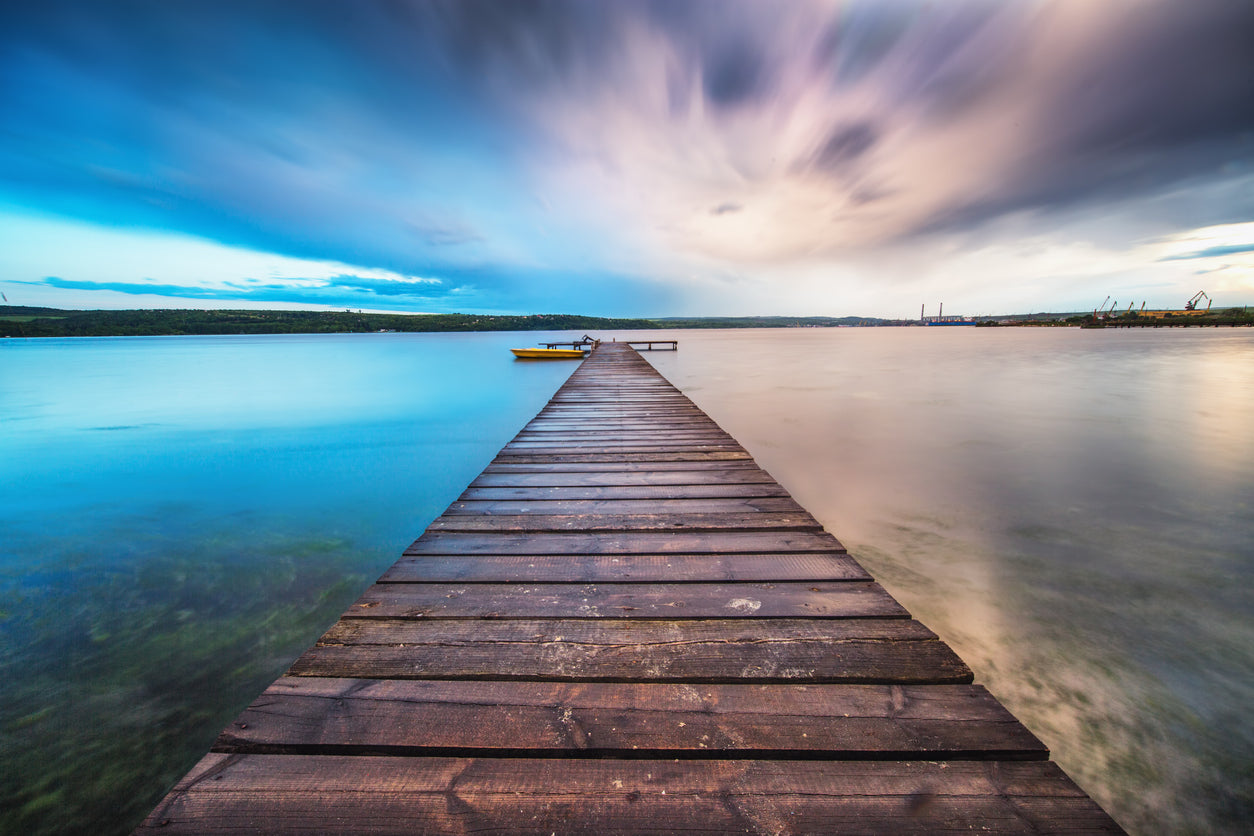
[
  {"x": 615, "y": 649},
  {"x": 230, "y": 793},
  {"x": 334, "y": 716},
  {"x": 639, "y": 567},
  {"x": 813, "y": 599}
]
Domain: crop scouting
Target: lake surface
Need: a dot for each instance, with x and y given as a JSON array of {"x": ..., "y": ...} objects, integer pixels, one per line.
[{"x": 1073, "y": 511}]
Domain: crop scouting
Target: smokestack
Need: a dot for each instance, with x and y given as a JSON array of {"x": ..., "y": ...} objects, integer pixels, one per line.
[
  {"x": 940, "y": 317},
  {"x": 922, "y": 308}
]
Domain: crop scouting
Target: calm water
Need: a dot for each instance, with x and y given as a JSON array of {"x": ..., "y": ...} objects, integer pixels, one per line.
[
  {"x": 182, "y": 516},
  {"x": 1071, "y": 510}
]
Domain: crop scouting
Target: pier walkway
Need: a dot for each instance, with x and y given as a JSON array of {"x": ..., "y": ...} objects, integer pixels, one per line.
[{"x": 625, "y": 626}]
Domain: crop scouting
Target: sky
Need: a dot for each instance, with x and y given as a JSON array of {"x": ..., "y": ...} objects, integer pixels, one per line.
[{"x": 618, "y": 158}]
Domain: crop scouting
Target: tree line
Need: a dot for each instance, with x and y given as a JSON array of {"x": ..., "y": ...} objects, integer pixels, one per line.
[{"x": 16, "y": 321}]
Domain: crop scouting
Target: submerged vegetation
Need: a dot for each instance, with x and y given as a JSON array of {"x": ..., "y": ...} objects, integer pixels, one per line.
[{"x": 101, "y": 654}]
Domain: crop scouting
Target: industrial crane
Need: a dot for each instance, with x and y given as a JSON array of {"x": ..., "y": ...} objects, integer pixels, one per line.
[{"x": 1191, "y": 305}]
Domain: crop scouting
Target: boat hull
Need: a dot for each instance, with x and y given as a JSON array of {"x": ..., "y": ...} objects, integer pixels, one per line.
[{"x": 547, "y": 353}]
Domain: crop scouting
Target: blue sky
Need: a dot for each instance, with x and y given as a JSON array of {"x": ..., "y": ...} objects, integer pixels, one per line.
[{"x": 627, "y": 158}]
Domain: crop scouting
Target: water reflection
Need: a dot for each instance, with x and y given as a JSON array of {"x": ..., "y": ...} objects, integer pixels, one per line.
[{"x": 1071, "y": 510}]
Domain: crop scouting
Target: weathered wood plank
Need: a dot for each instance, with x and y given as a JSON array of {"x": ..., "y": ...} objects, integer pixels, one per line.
[
  {"x": 331, "y": 716},
  {"x": 511, "y": 466},
  {"x": 708, "y": 491},
  {"x": 609, "y": 568},
  {"x": 873, "y": 650},
  {"x": 813, "y": 599},
  {"x": 619, "y": 456},
  {"x": 636, "y": 542},
  {"x": 608, "y": 434},
  {"x": 619, "y": 453},
  {"x": 584, "y": 413},
  {"x": 299, "y": 794},
  {"x": 529, "y": 447},
  {"x": 685, "y": 521},
  {"x": 567, "y": 478},
  {"x": 620, "y": 443},
  {"x": 556, "y": 424},
  {"x": 769, "y": 504},
  {"x": 639, "y": 428}
]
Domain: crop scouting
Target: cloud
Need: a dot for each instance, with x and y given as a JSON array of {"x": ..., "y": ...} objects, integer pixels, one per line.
[
  {"x": 875, "y": 123},
  {"x": 337, "y": 291},
  {"x": 1211, "y": 252},
  {"x": 735, "y": 75},
  {"x": 845, "y": 145},
  {"x": 419, "y": 138}
]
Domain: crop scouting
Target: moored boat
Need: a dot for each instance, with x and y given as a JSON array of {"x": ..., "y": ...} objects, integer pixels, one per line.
[{"x": 547, "y": 353}]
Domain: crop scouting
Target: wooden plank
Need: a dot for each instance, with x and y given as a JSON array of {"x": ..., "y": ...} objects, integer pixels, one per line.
[
  {"x": 624, "y": 439},
  {"x": 873, "y": 650},
  {"x": 639, "y": 567},
  {"x": 813, "y": 599},
  {"x": 619, "y": 456},
  {"x": 770, "y": 504},
  {"x": 710, "y": 491},
  {"x": 555, "y": 429},
  {"x": 685, "y": 521},
  {"x": 636, "y": 542},
  {"x": 623, "y": 402},
  {"x": 508, "y": 465},
  {"x": 413, "y": 717},
  {"x": 588, "y": 399},
  {"x": 566, "y": 478},
  {"x": 646, "y": 432},
  {"x": 697, "y": 420},
  {"x": 539, "y": 424},
  {"x": 299, "y": 794},
  {"x": 571, "y": 412},
  {"x": 610, "y": 444},
  {"x": 509, "y": 451}
]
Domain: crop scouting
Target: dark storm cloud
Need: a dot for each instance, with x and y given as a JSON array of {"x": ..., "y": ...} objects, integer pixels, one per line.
[
  {"x": 735, "y": 75},
  {"x": 1168, "y": 97}
]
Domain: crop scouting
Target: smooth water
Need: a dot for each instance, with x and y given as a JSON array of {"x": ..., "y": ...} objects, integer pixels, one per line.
[
  {"x": 1070, "y": 510},
  {"x": 181, "y": 516},
  {"x": 1073, "y": 511}
]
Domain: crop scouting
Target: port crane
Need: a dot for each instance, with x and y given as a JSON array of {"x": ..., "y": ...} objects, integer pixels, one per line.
[{"x": 1192, "y": 304}]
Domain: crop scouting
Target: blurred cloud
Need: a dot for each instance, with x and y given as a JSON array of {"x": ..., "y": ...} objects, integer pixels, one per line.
[
  {"x": 658, "y": 152},
  {"x": 1212, "y": 252}
]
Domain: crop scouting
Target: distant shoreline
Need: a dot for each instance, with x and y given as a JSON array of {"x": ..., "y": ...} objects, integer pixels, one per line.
[{"x": 19, "y": 321}]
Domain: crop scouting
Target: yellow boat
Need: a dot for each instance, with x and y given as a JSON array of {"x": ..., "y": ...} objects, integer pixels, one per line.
[{"x": 547, "y": 353}]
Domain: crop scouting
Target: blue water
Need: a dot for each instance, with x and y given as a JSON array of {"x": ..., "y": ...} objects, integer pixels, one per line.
[
  {"x": 1071, "y": 510},
  {"x": 181, "y": 516}
]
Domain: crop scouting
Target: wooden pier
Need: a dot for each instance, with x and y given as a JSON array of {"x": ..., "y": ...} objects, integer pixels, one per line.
[
  {"x": 587, "y": 343},
  {"x": 625, "y": 626}
]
